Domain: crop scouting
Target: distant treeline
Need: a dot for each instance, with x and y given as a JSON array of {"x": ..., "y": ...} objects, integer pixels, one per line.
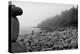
[{"x": 66, "y": 18}]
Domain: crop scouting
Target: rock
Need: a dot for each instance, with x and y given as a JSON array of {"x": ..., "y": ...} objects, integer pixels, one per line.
[{"x": 16, "y": 48}]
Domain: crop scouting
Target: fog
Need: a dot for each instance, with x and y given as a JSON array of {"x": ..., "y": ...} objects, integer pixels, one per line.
[{"x": 34, "y": 13}]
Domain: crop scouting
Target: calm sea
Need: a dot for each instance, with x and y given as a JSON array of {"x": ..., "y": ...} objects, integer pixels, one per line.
[{"x": 28, "y": 30}]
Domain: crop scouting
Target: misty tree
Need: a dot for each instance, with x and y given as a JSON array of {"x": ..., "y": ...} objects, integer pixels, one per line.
[{"x": 66, "y": 18}]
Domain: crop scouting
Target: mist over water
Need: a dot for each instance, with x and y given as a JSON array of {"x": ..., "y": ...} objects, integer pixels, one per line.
[{"x": 28, "y": 30}]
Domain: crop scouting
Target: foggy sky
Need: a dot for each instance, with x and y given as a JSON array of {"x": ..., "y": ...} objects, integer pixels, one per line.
[{"x": 34, "y": 13}]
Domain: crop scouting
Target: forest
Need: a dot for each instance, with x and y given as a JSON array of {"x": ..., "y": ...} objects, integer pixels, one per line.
[{"x": 65, "y": 19}]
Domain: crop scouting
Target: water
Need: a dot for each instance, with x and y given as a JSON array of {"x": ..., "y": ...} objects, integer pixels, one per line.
[{"x": 28, "y": 30}]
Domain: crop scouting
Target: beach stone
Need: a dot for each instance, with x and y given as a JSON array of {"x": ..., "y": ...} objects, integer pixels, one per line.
[
  {"x": 15, "y": 11},
  {"x": 16, "y": 47}
]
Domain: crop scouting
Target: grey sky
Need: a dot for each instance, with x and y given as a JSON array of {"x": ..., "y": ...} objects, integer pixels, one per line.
[{"x": 34, "y": 13}]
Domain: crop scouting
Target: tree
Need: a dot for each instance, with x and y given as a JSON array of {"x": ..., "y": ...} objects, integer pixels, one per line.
[{"x": 67, "y": 17}]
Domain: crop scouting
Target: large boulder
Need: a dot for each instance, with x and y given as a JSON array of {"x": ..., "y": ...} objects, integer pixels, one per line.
[{"x": 15, "y": 11}]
